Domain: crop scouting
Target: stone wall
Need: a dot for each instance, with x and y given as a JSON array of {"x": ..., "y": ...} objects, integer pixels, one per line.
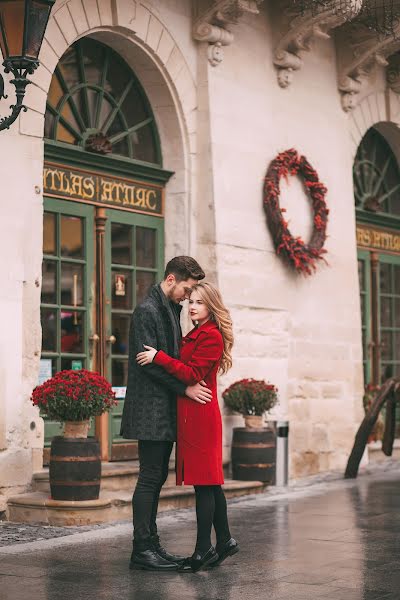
[{"x": 302, "y": 333}]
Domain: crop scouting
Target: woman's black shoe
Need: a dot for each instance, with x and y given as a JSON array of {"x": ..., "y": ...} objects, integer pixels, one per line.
[
  {"x": 198, "y": 561},
  {"x": 149, "y": 560},
  {"x": 230, "y": 548}
]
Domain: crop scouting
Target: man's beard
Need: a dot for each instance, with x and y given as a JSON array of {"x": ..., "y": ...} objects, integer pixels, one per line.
[{"x": 171, "y": 295}]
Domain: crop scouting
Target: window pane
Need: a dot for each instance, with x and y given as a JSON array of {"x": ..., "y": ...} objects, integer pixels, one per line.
[
  {"x": 69, "y": 116},
  {"x": 93, "y": 59},
  {"x": 146, "y": 252},
  {"x": 121, "y": 244},
  {"x": 48, "y": 320},
  {"x": 386, "y": 371},
  {"x": 396, "y": 277},
  {"x": 49, "y": 282},
  {"x": 144, "y": 281},
  {"x": 133, "y": 108},
  {"x": 71, "y": 236},
  {"x": 49, "y": 233},
  {"x": 72, "y": 284},
  {"x": 72, "y": 333},
  {"x": 386, "y": 312},
  {"x": 144, "y": 147},
  {"x": 48, "y": 125},
  {"x": 120, "y": 329},
  {"x": 384, "y": 272},
  {"x": 397, "y": 312},
  {"x": 386, "y": 345},
  {"x": 55, "y": 92},
  {"x": 397, "y": 345},
  {"x": 73, "y": 363},
  {"x": 64, "y": 135},
  {"x": 69, "y": 68},
  {"x": 121, "y": 282},
  {"x": 119, "y": 372}
]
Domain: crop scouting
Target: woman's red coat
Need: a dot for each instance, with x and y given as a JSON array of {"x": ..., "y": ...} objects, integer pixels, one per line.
[{"x": 199, "y": 426}]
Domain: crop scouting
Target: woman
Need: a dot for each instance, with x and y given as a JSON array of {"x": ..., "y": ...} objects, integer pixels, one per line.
[{"x": 204, "y": 351}]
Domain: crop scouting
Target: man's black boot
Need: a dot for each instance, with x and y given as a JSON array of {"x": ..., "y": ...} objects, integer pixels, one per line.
[
  {"x": 148, "y": 559},
  {"x": 175, "y": 558}
]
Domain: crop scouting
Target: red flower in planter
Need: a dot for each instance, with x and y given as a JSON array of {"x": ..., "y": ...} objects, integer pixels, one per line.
[
  {"x": 74, "y": 396},
  {"x": 251, "y": 396}
]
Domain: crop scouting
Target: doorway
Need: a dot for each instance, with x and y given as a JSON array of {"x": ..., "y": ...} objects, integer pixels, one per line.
[{"x": 98, "y": 264}]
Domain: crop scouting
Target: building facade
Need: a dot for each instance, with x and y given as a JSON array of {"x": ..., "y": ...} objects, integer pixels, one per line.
[{"x": 150, "y": 128}]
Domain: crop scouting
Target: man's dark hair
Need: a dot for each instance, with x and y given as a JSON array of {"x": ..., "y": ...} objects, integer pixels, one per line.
[{"x": 184, "y": 267}]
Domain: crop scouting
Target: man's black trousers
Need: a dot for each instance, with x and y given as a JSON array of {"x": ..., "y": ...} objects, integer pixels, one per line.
[{"x": 153, "y": 472}]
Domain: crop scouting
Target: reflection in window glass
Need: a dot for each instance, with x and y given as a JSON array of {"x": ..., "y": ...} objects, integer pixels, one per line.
[
  {"x": 49, "y": 282},
  {"x": 71, "y": 236},
  {"x": 48, "y": 319},
  {"x": 49, "y": 233},
  {"x": 72, "y": 284},
  {"x": 120, "y": 329},
  {"x": 72, "y": 333},
  {"x": 146, "y": 252},
  {"x": 119, "y": 372},
  {"x": 144, "y": 281},
  {"x": 121, "y": 244}
]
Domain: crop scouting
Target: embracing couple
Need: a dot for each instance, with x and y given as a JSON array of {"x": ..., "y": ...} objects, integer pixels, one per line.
[{"x": 172, "y": 396}]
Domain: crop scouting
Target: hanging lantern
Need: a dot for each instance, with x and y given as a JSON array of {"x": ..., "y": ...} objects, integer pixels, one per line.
[{"x": 22, "y": 28}]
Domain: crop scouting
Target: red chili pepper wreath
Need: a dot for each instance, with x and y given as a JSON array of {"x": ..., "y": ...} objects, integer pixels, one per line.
[{"x": 303, "y": 257}]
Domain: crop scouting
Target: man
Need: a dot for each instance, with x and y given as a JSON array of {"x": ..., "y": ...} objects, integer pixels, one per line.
[{"x": 150, "y": 405}]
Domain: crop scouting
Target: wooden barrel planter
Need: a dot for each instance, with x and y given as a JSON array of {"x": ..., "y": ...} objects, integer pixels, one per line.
[
  {"x": 75, "y": 468},
  {"x": 254, "y": 454}
]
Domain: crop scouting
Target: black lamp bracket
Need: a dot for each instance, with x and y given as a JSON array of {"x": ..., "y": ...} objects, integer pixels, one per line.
[{"x": 20, "y": 67}]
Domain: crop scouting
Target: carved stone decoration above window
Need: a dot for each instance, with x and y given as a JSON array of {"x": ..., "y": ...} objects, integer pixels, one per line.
[
  {"x": 211, "y": 23},
  {"x": 359, "y": 52},
  {"x": 301, "y": 29}
]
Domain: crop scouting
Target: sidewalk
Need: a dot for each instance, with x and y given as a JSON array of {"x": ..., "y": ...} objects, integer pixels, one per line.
[{"x": 323, "y": 538}]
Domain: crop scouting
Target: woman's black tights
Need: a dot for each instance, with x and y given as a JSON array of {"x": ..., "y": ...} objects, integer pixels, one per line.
[{"x": 211, "y": 510}]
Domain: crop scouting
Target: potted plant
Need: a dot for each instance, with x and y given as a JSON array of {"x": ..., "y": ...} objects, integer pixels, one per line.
[
  {"x": 253, "y": 446},
  {"x": 251, "y": 398},
  {"x": 73, "y": 398}
]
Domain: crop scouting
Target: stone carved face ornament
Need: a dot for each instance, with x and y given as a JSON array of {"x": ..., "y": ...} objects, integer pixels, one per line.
[
  {"x": 285, "y": 77},
  {"x": 215, "y": 54}
]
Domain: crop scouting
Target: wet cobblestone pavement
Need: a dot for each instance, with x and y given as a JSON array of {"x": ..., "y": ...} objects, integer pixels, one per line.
[
  {"x": 18, "y": 533},
  {"x": 338, "y": 540}
]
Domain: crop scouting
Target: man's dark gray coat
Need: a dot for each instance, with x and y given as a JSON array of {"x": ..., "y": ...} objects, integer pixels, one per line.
[{"x": 150, "y": 403}]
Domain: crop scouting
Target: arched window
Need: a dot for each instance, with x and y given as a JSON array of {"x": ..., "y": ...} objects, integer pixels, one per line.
[
  {"x": 376, "y": 176},
  {"x": 95, "y": 102}
]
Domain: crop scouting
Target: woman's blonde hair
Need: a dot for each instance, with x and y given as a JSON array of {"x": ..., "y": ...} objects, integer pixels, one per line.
[{"x": 220, "y": 314}]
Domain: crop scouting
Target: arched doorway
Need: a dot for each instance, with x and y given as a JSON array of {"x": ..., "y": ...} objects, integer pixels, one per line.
[
  {"x": 377, "y": 200},
  {"x": 103, "y": 234}
]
